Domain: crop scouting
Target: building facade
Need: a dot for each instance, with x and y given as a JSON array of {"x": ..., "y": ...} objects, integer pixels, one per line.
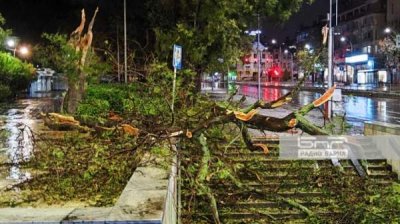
[
  {"x": 358, "y": 57},
  {"x": 275, "y": 63}
]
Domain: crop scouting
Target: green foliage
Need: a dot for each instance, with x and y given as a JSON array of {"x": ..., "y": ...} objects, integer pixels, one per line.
[
  {"x": 389, "y": 52},
  {"x": 209, "y": 30},
  {"x": 58, "y": 54},
  {"x": 15, "y": 75},
  {"x": 94, "y": 108},
  {"x": 382, "y": 207},
  {"x": 4, "y": 33},
  {"x": 338, "y": 125},
  {"x": 5, "y": 92},
  {"x": 149, "y": 100},
  {"x": 76, "y": 168}
]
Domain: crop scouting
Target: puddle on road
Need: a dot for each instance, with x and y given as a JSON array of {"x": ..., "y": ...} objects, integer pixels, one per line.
[{"x": 17, "y": 123}]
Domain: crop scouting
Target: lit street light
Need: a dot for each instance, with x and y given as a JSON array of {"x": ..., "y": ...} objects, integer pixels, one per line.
[
  {"x": 273, "y": 41},
  {"x": 395, "y": 37},
  {"x": 259, "y": 48},
  {"x": 344, "y": 39},
  {"x": 11, "y": 44},
  {"x": 24, "y": 50},
  {"x": 286, "y": 51},
  {"x": 307, "y": 46}
]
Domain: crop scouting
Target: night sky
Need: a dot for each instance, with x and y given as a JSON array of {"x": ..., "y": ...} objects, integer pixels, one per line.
[{"x": 30, "y": 18}]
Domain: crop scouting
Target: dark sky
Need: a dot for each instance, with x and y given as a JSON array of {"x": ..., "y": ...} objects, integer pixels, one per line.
[
  {"x": 30, "y": 18},
  {"x": 306, "y": 16}
]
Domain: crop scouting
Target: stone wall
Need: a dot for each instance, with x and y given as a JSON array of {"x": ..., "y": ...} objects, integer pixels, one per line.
[
  {"x": 381, "y": 128},
  {"x": 149, "y": 197}
]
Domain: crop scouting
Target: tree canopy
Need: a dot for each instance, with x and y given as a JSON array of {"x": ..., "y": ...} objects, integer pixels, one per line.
[
  {"x": 15, "y": 75},
  {"x": 209, "y": 30}
]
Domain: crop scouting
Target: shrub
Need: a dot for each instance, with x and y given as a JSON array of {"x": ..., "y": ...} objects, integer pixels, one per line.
[
  {"x": 15, "y": 75},
  {"x": 5, "y": 92}
]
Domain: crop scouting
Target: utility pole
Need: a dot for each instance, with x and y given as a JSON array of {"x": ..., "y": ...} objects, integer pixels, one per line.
[
  {"x": 259, "y": 56},
  {"x": 337, "y": 12},
  {"x": 125, "y": 47},
  {"x": 118, "y": 56},
  {"x": 330, "y": 59},
  {"x": 291, "y": 66}
]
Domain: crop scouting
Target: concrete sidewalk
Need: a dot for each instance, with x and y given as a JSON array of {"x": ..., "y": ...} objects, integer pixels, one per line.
[{"x": 385, "y": 91}]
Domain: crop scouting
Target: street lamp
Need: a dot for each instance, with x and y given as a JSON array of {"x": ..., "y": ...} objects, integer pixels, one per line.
[
  {"x": 24, "y": 50},
  {"x": 274, "y": 42},
  {"x": 259, "y": 48},
  {"x": 388, "y": 32},
  {"x": 11, "y": 43},
  {"x": 307, "y": 46},
  {"x": 286, "y": 51},
  {"x": 344, "y": 39}
]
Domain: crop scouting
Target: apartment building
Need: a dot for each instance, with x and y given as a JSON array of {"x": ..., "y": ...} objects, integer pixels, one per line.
[
  {"x": 357, "y": 53},
  {"x": 275, "y": 62}
]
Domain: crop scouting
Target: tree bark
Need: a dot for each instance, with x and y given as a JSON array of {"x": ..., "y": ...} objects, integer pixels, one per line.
[{"x": 82, "y": 44}]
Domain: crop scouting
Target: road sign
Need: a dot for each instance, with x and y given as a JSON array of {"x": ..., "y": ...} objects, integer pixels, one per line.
[
  {"x": 398, "y": 41},
  {"x": 177, "y": 57}
]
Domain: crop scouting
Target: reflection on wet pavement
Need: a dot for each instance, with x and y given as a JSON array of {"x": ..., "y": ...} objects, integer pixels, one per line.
[
  {"x": 358, "y": 109},
  {"x": 17, "y": 123}
]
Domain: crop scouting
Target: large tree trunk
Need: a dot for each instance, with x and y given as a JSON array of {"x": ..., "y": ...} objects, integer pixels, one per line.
[
  {"x": 74, "y": 95},
  {"x": 82, "y": 44}
]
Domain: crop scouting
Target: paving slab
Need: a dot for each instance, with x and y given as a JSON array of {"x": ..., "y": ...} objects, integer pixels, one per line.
[{"x": 29, "y": 215}]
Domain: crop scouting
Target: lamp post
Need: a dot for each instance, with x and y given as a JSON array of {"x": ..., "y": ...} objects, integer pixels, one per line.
[
  {"x": 125, "y": 47},
  {"x": 387, "y": 32},
  {"x": 307, "y": 46},
  {"x": 258, "y": 48},
  {"x": 286, "y": 51},
  {"x": 330, "y": 55},
  {"x": 11, "y": 44},
  {"x": 274, "y": 42},
  {"x": 23, "y": 51},
  {"x": 344, "y": 39}
]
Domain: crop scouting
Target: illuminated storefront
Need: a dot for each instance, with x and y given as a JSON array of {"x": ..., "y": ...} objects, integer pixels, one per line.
[{"x": 361, "y": 69}]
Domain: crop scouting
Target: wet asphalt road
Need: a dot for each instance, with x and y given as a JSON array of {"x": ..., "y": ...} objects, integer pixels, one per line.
[{"x": 358, "y": 109}]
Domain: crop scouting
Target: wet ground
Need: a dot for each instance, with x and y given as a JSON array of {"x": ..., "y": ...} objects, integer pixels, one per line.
[
  {"x": 18, "y": 121},
  {"x": 357, "y": 109}
]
